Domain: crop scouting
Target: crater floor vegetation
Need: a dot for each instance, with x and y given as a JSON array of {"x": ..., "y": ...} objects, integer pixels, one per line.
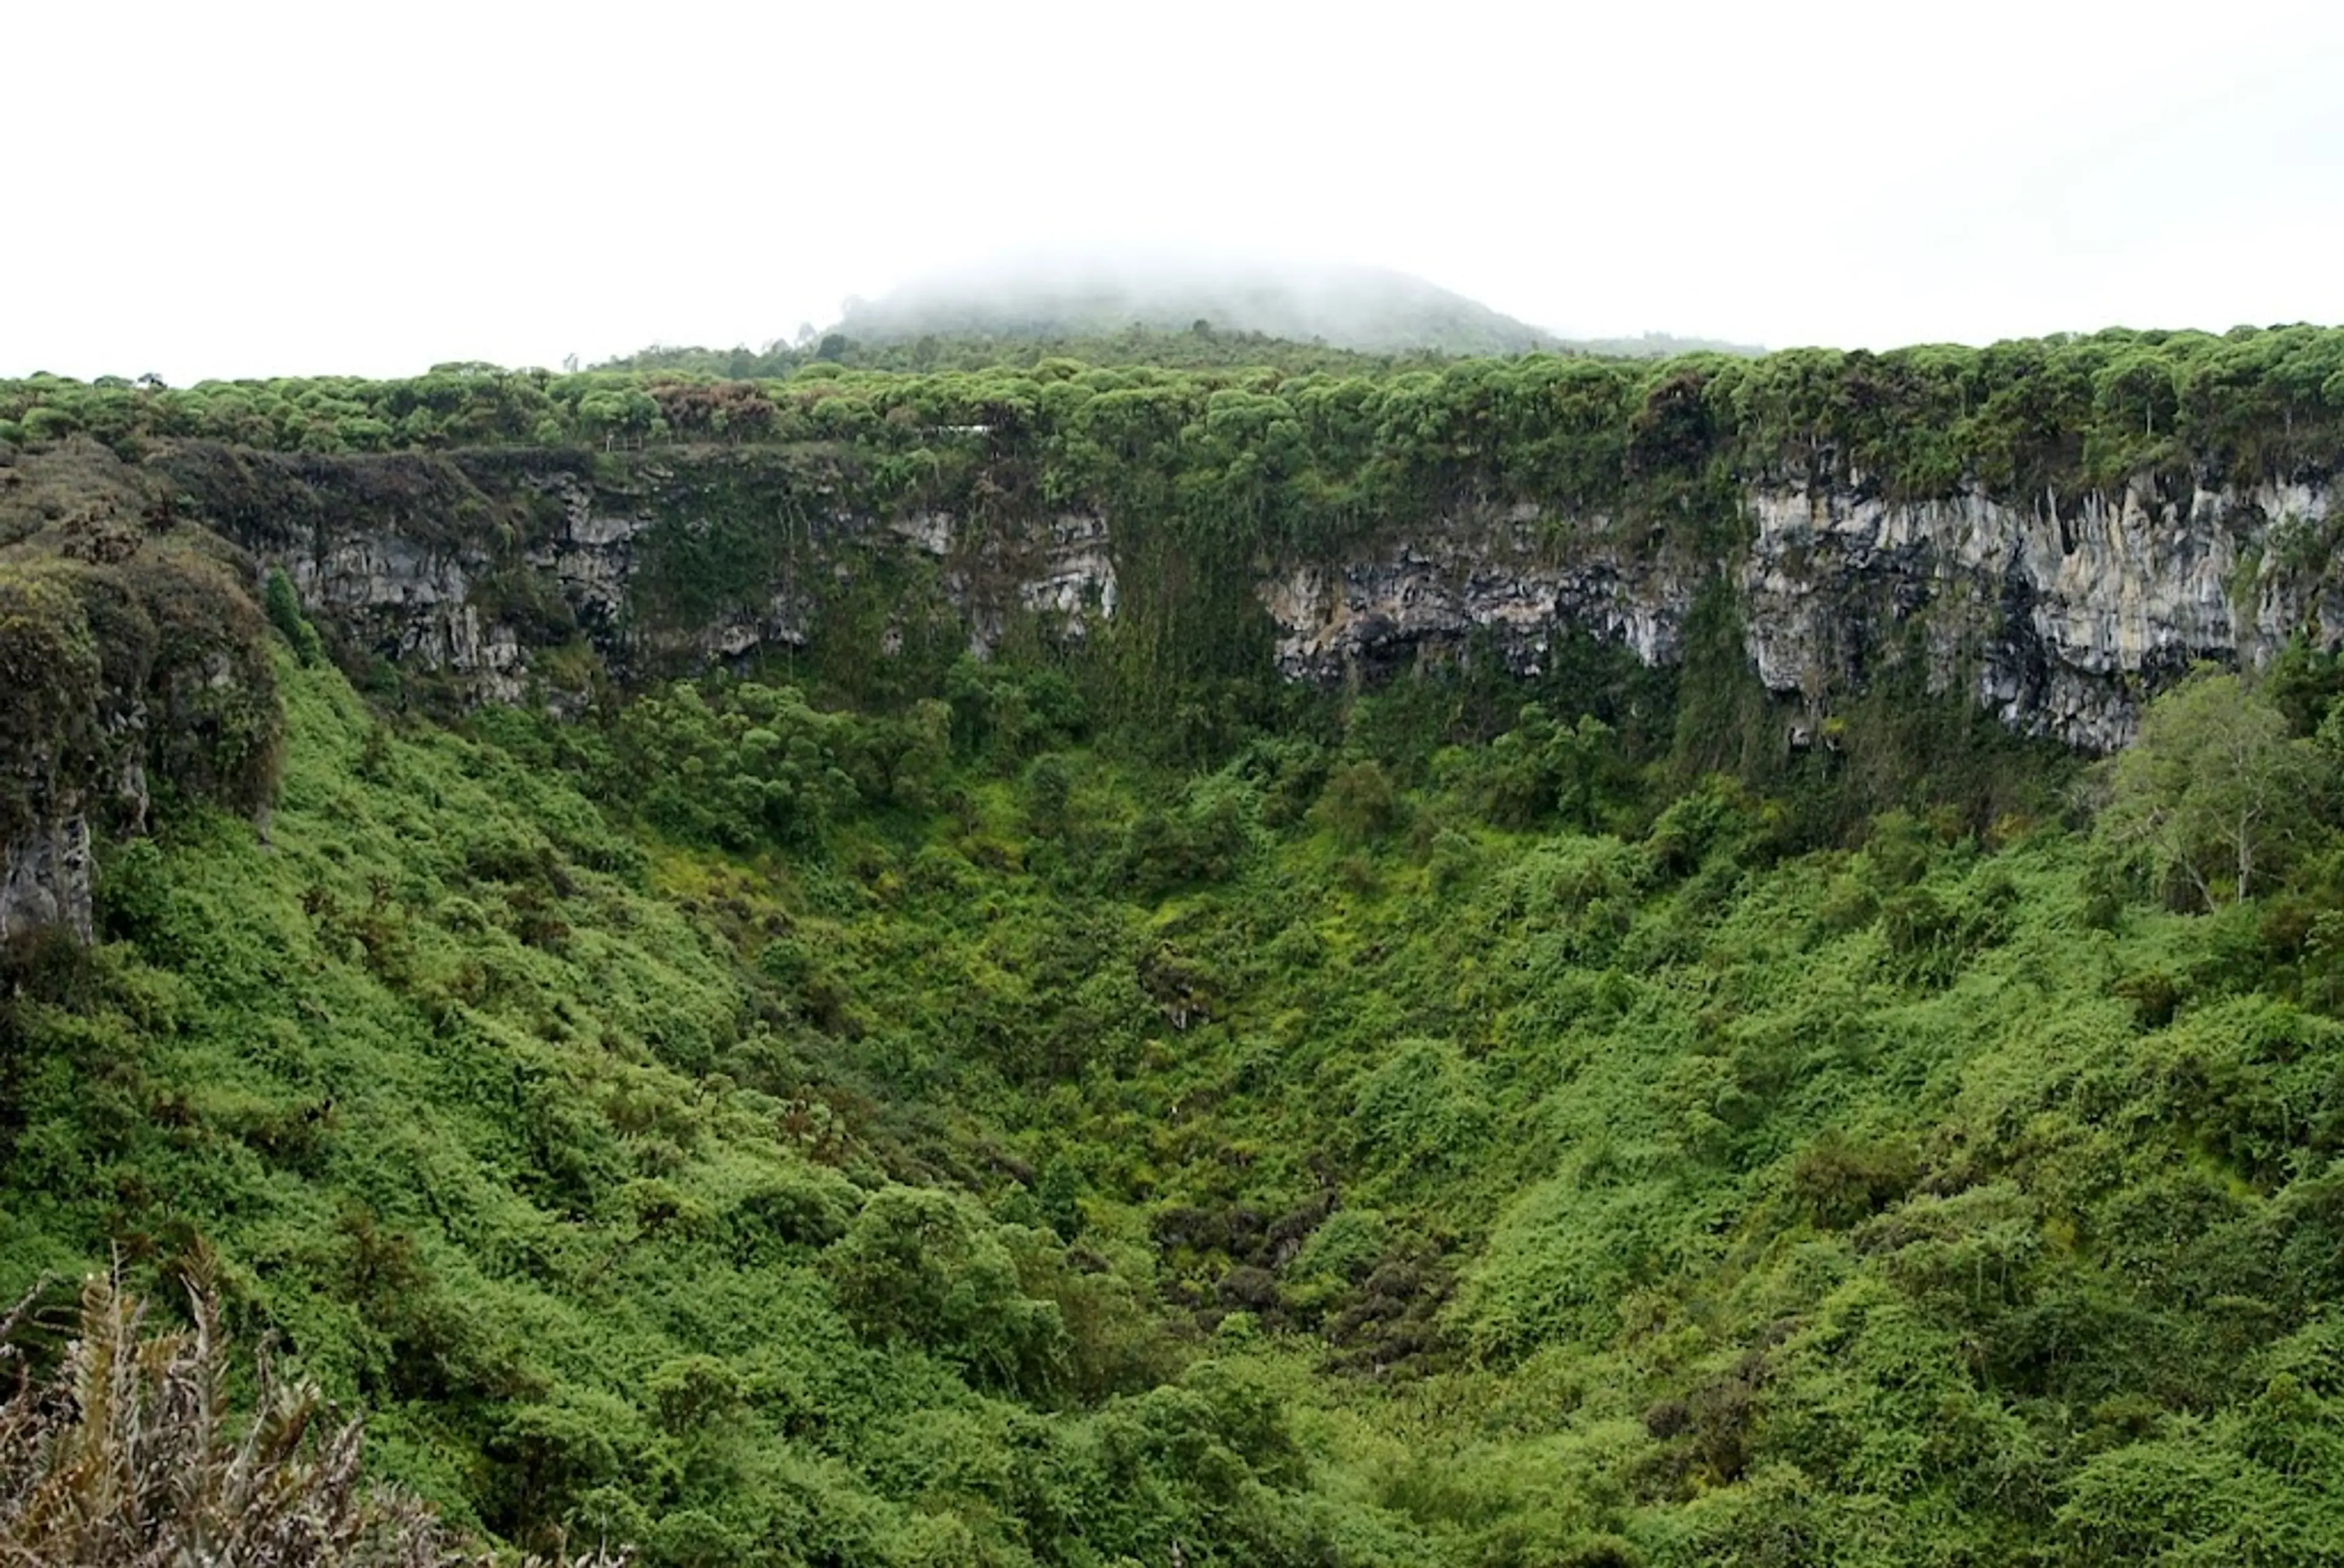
[
  {"x": 804, "y": 1115},
  {"x": 1032, "y": 1155}
]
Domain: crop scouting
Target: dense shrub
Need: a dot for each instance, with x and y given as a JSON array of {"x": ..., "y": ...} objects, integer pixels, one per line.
[{"x": 129, "y": 1452}]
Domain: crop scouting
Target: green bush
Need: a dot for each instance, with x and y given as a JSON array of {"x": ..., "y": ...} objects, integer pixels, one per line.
[{"x": 922, "y": 1267}]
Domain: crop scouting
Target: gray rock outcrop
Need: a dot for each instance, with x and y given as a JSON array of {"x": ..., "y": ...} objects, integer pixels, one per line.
[
  {"x": 2060, "y": 617},
  {"x": 45, "y": 878},
  {"x": 2059, "y": 614}
]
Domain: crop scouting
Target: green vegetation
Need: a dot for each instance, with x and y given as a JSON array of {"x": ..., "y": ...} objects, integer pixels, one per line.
[
  {"x": 1213, "y": 349},
  {"x": 934, "y": 353},
  {"x": 109, "y": 627},
  {"x": 1009, "y": 1152},
  {"x": 1358, "y": 433},
  {"x": 1090, "y": 1107},
  {"x": 1208, "y": 477}
]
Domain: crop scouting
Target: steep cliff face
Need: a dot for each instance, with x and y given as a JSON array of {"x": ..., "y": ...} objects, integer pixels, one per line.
[
  {"x": 2059, "y": 615},
  {"x": 157, "y": 674},
  {"x": 512, "y": 575},
  {"x": 45, "y": 877},
  {"x": 482, "y": 564},
  {"x": 1505, "y": 576},
  {"x": 131, "y": 655},
  {"x": 48, "y": 864},
  {"x": 412, "y": 602}
]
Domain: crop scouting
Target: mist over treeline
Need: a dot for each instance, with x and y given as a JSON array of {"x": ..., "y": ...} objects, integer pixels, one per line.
[
  {"x": 1115, "y": 304},
  {"x": 1367, "y": 308}
]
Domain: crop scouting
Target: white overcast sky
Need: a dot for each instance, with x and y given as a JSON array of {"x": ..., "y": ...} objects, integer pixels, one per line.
[{"x": 224, "y": 188}]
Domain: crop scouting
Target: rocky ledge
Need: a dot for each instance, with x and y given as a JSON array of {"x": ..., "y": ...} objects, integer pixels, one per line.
[{"x": 2058, "y": 616}]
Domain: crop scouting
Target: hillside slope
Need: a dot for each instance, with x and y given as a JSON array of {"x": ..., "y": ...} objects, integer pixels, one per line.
[
  {"x": 1366, "y": 1154},
  {"x": 1367, "y": 309}
]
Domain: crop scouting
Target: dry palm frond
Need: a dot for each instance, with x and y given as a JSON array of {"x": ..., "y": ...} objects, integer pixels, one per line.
[{"x": 126, "y": 1457}]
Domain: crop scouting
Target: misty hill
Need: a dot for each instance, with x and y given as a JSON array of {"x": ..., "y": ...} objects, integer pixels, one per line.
[
  {"x": 1370, "y": 310},
  {"x": 1191, "y": 315}
]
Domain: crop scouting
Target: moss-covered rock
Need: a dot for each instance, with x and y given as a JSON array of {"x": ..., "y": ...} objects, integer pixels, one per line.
[{"x": 133, "y": 661}]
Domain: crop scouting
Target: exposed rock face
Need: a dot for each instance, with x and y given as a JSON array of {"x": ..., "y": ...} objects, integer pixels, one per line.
[
  {"x": 2058, "y": 614},
  {"x": 433, "y": 600},
  {"x": 441, "y": 598},
  {"x": 45, "y": 878},
  {"x": 2060, "y": 617},
  {"x": 592, "y": 556},
  {"x": 47, "y": 869},
  {"x": 131, "y": 649},
  {"x": 1430, "y": 592},
  {"x": 414, "y": 603},
  {"x": 1061, "y": 569}
]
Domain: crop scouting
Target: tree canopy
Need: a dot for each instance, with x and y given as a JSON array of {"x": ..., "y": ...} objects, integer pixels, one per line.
[{"x": 2215, "y": 790}]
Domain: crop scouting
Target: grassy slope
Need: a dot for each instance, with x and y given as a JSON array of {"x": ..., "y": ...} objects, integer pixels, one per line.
[{"x": 1406, "y": 1190}]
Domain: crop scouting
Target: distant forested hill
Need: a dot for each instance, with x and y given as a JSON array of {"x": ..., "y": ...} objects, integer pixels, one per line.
[
  {"x": 1198, "y": 317},
  {"x": 1368, "y": 309}
]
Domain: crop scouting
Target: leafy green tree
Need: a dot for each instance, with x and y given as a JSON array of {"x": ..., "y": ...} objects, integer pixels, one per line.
[
  {"x": 2139, "y": 385},
  {"x": 2214, "y": 789},
  {"x": 1540, "y": 767},
  {"x": 619, "y": 413}
]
